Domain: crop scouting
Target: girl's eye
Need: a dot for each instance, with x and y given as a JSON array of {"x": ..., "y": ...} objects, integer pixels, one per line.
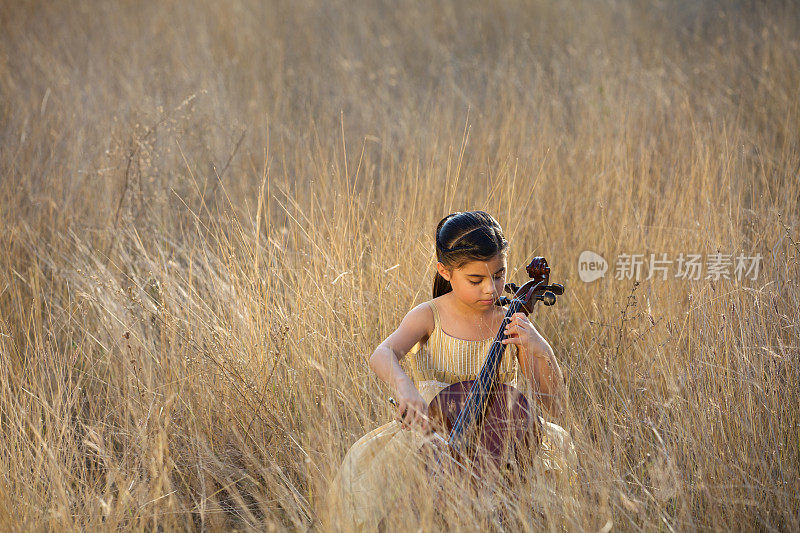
[{"x": 478, "y": 282}]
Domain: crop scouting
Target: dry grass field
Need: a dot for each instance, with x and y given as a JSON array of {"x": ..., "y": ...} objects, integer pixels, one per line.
[{"x": 213, "y": 212}]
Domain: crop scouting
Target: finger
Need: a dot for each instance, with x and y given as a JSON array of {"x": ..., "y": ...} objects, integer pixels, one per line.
[
  {"x": 422, "y": 419},
  {"x": 402, "y": 412},
  {"x": 409, "y": 416},
  {"x": 419, "y": 421},
  {"x": 423, "y": 423},
  {"x": 416, "y": 419}
]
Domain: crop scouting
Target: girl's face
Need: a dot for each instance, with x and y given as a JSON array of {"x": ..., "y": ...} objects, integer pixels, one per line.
[{"x": 478, "y": 283}]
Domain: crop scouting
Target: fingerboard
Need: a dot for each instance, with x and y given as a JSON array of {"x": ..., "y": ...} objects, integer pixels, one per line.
[{"x": 482, "y": 386}]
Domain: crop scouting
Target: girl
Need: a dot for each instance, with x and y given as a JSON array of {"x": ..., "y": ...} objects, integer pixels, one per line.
[{"x": 448, "y": 338}]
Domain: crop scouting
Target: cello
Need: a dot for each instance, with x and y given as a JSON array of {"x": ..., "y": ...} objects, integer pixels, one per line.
[{"x": 490, "y": 424}]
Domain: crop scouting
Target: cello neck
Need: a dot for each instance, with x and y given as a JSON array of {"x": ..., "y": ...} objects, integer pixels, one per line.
[{"x": 483, "y": 384}]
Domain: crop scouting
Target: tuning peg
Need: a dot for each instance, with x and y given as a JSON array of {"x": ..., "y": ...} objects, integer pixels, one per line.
[
  {"x": 557, "y": 288},
  {"x": 548, "y": 298}
]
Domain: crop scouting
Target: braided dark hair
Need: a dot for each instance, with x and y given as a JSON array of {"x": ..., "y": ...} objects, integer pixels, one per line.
[{"x": 462, "y": 237}]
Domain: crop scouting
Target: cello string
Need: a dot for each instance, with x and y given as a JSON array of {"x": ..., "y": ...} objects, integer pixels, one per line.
[
  {"x": 479, "y": 391},
  {"x": 480, "y": 388}
]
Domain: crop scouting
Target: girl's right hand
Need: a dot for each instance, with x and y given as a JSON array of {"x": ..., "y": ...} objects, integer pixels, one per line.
[{"x": 412, "y": 410}]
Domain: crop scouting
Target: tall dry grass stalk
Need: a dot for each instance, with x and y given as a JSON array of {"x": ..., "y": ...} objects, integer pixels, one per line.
[{"x": 213, "y": 213}]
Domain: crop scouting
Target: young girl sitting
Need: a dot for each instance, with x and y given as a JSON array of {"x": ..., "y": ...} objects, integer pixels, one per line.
[{"x": 448, "y": 339}]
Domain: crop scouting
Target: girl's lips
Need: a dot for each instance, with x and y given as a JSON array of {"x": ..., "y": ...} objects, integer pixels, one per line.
[{"x": 485, "y": 301}]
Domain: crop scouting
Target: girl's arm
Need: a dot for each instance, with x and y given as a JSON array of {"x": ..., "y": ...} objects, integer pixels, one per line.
[
  {"x": 385, "y": 362},
  {"x": 538, "y": 363}
]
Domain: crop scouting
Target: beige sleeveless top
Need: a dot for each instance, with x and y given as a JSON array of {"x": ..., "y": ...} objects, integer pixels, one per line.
[{"x": 444, "y": 359}]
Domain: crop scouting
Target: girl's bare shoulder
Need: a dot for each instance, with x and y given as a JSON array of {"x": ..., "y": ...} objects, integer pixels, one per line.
[
  {"x": 423, "y": 311},
  {"x": 419, "y": 322}
]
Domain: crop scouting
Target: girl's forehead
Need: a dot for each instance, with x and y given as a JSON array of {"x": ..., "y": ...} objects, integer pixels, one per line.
[{"x": 481, "y": 267}]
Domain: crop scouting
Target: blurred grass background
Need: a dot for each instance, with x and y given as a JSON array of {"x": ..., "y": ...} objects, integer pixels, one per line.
[{"x": 203, "y": 203}]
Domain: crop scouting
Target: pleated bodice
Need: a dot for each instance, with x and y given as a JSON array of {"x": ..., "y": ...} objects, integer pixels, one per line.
[{"x": 447, "y": 359}]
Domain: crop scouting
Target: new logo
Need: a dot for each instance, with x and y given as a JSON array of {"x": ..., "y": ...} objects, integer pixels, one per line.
[{"x": 591, "y": 266}]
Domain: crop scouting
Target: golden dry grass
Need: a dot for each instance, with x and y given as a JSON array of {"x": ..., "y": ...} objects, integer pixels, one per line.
[{"x": 201, "y": 205}]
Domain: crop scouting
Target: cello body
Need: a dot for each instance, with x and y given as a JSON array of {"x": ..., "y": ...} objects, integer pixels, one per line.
[{"x": 509, "y": 429}]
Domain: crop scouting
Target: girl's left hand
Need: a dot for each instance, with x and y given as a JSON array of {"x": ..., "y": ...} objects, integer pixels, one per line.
[{"x": 521, "y": 331}]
